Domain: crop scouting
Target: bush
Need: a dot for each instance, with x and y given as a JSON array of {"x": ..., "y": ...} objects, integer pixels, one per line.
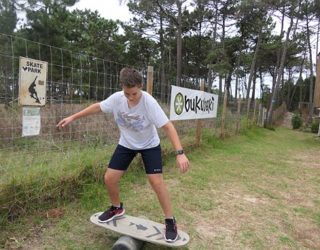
[
  {"x": 296, "y": 121},
  {"x": 315, "y": 127}
]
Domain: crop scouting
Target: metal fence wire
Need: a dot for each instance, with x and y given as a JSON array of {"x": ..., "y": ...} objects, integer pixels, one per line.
[{"x": 74, "y": 81}]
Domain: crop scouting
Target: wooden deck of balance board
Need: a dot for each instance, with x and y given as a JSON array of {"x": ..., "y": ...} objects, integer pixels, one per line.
[{"x": 141, "y": 229}]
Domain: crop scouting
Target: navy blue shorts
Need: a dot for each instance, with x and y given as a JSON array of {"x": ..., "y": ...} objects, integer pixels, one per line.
[{"x": 122, "y": 157}]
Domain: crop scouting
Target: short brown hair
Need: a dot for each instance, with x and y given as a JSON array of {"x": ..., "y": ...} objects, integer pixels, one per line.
[{"x": 130, "y": 77}]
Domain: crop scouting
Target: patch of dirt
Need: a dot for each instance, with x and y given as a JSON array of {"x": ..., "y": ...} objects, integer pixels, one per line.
[
  {"x": 247, "y": 198},
  {"x": 32, "y": 239},
  {"x": 54, "y": 213},
  {"x": 246, "y": 218},
  {"x": 221, "y": 228},
  {"x": 233, "y": 214},
  {"x": 309, "y": 159},
  {"x": 307, "y": 234}
]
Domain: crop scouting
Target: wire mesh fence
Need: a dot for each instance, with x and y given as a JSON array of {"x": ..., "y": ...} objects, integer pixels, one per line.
[{"x": 74, "y": 81}]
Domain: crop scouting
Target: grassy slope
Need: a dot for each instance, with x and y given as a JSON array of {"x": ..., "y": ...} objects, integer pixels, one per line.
[{"x": 259, "y": 190}]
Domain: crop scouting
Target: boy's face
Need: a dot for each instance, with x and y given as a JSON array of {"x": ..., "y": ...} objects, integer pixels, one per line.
[{"x": 132, "y": 94}]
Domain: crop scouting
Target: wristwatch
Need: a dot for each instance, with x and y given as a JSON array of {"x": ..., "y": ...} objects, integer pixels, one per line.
[{"x": 180, "y": 152}]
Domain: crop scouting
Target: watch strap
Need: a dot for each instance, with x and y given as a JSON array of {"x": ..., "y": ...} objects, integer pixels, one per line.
[{"x": 180, "y": 152}]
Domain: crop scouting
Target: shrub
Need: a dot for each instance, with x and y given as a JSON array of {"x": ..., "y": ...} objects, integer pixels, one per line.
[
  {"x": 315, "y": 127},
  {"x": 296, "y": 121}
]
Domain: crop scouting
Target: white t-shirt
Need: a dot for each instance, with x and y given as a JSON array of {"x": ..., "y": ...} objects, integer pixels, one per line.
[{"x": 137, "y": 124}]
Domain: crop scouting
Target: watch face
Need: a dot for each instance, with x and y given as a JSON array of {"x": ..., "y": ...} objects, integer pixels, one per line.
[{"x": 179, "y": 152}]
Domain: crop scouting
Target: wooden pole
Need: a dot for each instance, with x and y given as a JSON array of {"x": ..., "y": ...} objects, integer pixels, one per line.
[
  {"x": 254, "y": 112},
  {"x": 316, "y": 98},
  {"x": 319, "y": 122},
  {"x": 224, "y": 112},
  {"x": 199, "y": 122},
  {"x": 150, "y": 80},
  {"x": 238, "y": 115},
  {"x": 260, "y": 115}
]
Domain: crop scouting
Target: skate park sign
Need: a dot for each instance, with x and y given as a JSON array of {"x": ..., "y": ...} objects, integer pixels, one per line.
[{"x": 32, "y": 82}]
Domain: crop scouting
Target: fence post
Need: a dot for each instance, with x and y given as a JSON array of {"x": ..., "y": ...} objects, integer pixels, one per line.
[
  {"x": 238, "y": 115},
  {"x": 224, "y": 112},
  {"x": 319, "y": 122},
  {"x": 259, "y": 115},
  {"x": 199, "y": 122},
  {"x": 264, "y": 116},
  {"x": 254, "y": 112},
  {"x": 316, "y": 97},
  {"x": 150, "y": 80}
]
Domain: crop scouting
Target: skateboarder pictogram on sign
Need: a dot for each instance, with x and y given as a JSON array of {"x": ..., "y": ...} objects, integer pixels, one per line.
[{"x": 33, "y": 91}]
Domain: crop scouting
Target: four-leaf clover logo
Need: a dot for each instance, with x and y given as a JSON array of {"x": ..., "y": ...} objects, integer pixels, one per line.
[{"x": 178, "y": 104}]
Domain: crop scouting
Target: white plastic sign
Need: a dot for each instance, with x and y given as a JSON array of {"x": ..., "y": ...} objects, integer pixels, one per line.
[
  {"x": 189, "y": 104},
  {"x": 31, "y": 121}
]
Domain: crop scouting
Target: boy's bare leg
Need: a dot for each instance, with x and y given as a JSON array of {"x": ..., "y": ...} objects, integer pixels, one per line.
[
  {"x": 111, "y": 180},
  {"x": 158, "y": 185}
]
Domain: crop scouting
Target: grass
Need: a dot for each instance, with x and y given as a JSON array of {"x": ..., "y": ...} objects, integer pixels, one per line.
[
  {"x": 259, "y": 190},
  {"x": 30, "y": 181},
  {"x": 25, "y": 164}
]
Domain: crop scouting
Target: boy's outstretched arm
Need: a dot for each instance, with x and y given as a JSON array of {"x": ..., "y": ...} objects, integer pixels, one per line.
[
  {"x": 92, "y": 109},
  {"x": 182, "y": 160}
]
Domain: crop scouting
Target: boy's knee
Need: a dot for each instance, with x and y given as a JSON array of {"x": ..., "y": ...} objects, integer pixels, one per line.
[
  {"x": 111, "y": 177},
  {"x": 108, "y": 178},
  {"x": 156, "y": 181}
]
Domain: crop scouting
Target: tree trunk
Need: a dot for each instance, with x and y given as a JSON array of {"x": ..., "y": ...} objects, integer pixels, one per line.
[
  {"x": 222, "y": 41},
  {"x": 253, "y": 65},
  {"x": 261, "y": 83},
  {"x": 311, "y": 70},
  {"x": 179, "y": 43},
  {"x": 287, "y": 98},
  {"x": 162, "y": 66},
  {"x": 317, "y": 46},
  {"x": 215, "y": 24},
  {"x": 274, "y": 76},
  {"x": 300, "y": 78},
  {"x": 253, "y": 97},
  {"x": 236, "y": 89},
  {"x": 279, "y": 72},
  {"x": 228, "y": 85},
  {"x": 220, "y": 89},
  {"x": 237, "y": 80}
]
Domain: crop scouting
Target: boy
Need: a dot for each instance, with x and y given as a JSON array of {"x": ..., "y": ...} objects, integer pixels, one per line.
[{"x": 137, "y": 115}]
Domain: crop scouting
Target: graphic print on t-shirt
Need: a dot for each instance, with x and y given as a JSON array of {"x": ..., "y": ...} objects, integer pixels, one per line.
[{"x": 130, "y": 121}]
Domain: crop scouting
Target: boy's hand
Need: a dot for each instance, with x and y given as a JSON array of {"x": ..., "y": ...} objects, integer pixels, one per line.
[
  {"x": 182, "y": 163},
  {"x": 64, "y": 122}
]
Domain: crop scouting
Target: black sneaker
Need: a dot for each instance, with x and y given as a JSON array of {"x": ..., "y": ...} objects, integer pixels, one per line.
[
  {"x": 111, "y": 213},
  {"x": 171, "y": 233}
]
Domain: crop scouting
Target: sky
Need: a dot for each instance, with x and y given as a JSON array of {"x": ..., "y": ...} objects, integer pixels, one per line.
[{"x": 109, "y": 9}]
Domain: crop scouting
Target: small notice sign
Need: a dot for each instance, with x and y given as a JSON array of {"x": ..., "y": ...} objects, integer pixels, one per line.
[
  {"x": 31, "y": 121},
  {"x": 32, "y": 82}
]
